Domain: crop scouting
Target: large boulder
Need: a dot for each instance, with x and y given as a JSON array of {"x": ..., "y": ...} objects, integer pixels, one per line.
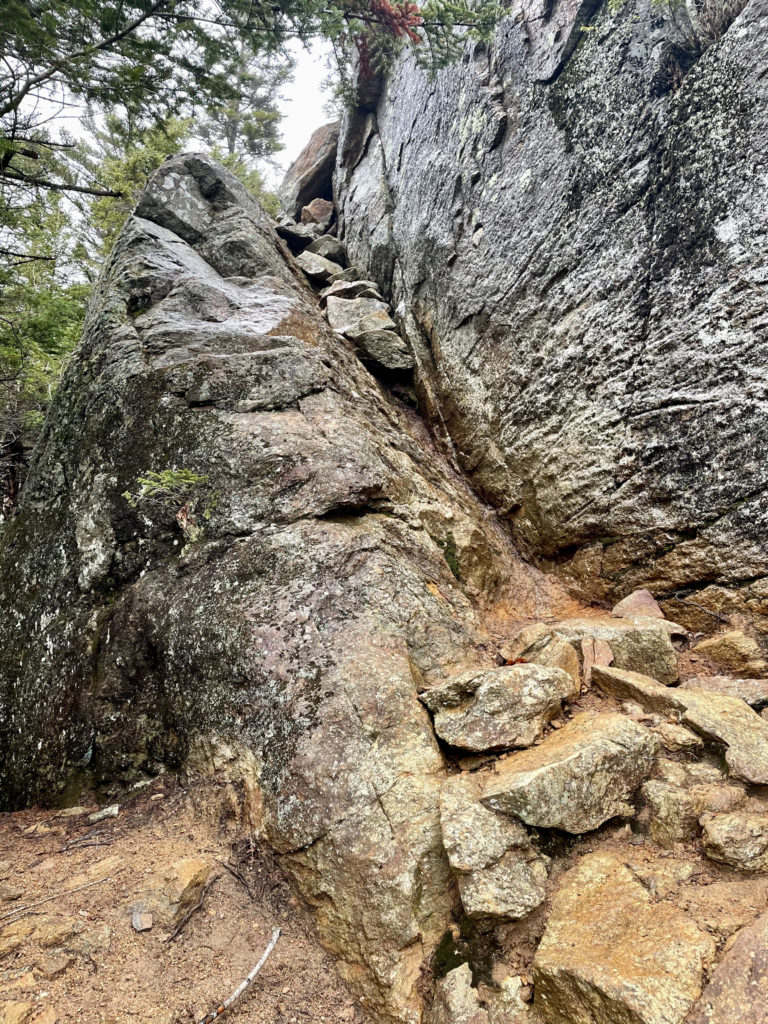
[
  {"x": 610, "y": 954},
  {"x": 232, "y": 537},
  {"x": 310, "y": 176},
  {"x": 569, "y": 228}
]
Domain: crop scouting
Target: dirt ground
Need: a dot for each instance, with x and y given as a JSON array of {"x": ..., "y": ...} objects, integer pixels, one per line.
[{"x": 78, "y": 958}]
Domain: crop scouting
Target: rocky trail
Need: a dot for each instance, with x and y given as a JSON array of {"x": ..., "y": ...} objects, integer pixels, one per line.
[
  {"x": 602, "y": 814},
  {"x": 407, "y": 555}
]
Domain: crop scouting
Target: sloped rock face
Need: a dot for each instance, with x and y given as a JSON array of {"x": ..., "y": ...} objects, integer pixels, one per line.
[
  {"x": 571, "y": 226},
  {"x": 292, "y": 617}
]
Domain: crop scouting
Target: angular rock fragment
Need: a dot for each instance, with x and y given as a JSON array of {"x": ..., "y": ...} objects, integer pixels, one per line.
[
  {"x": 498, "y": 870},
  {"x": 298, "y": 236},
  {"x": 456, "y": 1001},
  {"x": 718, "y": 718},
  {"x": 677, "y": 737},
  {"x": 639, "y": 602},
  {"x": 350, "y": 290},
  {"x": 495, "y": 709},
  {"x": 384, "y": 349},
  {"x": 346, "y": 315},
  {"x": 609, "y": 954},
  {"x": 579, "y": 777},
  {"x": 558, "y": 653},
  {"x": 739, "y": 839},
  {"x": 318, "y": 211},
  {"x": 638, "y": 644},
  {"x": 331, "y": 248},
  {"x": 318, "y": 268},
  {"x": 674, "y": 817},
  {"x": 737, "y": 990},
  {"x": 170, "y": 894},
  {"x": 735, "y": 652},
  {"x": 753, "y": 691}
]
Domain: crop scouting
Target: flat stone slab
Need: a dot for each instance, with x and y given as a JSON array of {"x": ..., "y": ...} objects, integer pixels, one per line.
[
  {"x": 579, "y": 777},
  {"x": 498, "y": 708},
  {"x": 753, "y": 691},
  {"x": 610, "y": 954},
  {"x": 717, "y": 717}
]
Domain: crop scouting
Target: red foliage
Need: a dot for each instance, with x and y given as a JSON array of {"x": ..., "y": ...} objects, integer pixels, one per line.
[{"x": 399, "y": 18}]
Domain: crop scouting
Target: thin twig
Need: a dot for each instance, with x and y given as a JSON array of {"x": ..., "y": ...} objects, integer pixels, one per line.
[
  {"x": 236, "y": 874},
  {"x": 68, "y": 892},
  {"x": 215, "y": 1014},
  {"x": 191, "y": 911}
]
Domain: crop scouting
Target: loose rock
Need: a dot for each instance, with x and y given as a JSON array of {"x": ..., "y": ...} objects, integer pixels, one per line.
[
  {"x": 638, "y": 644},
  {"x": 170, "y": 894},
  {"x": 317, "y": 267},
  {"x": 726, "y": 720},
  {"x": 579, "y": 777},
  {"x": 739, "y": 839},
  {"x": 384, "y": 349},
  {"x": 319, "y": 211},
  {"x": 640, "y": 602},
  {"x": 735, "y": 652},
  {"x": 456, "y": 1001},
  {"x": 345, "y": 316},
  {"x": 331, "y": 248},
  {"x": 498, "y": 870},
  {"x": 753, "y": 691},
  {"x": 498, "y": 708}
]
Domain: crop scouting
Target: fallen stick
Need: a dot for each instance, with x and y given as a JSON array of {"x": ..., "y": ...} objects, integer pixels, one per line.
[
  {"x": 191, "y": 911},
  {"x": 215, "y": 1014},
  {"x": 56, "y": 895}
]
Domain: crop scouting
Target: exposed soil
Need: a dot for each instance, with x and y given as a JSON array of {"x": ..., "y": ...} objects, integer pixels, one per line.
[{"x": 84, "y": 962}]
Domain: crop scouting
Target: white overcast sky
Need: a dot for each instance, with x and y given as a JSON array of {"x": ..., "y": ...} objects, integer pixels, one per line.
[{"x": 302, "y": 109}]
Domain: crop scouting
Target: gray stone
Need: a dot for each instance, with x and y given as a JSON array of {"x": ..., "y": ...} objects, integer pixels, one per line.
[
  {"x": 311, "y": 172},
  {"x": 579, "y": 777},
  {"x": 350, "y": 290},
  {"x": 331, "y": 248},
  {"x": 496, "y": 709},
  {"x": 298, "y": 236},
  {"x": 717, "y": 717},
  {"x": 347, "y": 316},
  {"x": 384, "y": 349},
  {"x": 607, "y": 335},
  {"x": 318, "y": 268}
]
